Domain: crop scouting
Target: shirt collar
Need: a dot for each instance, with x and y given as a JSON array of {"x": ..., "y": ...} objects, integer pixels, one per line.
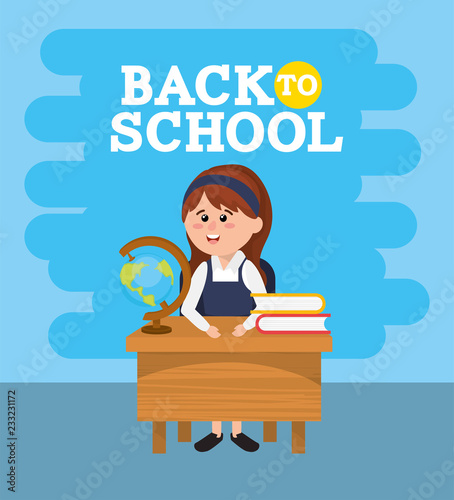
[{"x": 233, "y": 265}]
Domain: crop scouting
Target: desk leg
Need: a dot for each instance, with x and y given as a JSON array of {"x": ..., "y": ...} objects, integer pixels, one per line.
[
  {"x": 298, "y": 437},
  {"x": 184, "y": 432},
  {"x": 159, "y": 437},
  {"x": 269, "y": 432}
]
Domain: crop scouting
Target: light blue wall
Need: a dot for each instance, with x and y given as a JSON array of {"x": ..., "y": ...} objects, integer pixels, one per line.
[{"x": 419, "y": 37}]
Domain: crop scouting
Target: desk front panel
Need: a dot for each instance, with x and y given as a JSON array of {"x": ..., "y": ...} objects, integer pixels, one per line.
[{"x": 235, "y": 386}]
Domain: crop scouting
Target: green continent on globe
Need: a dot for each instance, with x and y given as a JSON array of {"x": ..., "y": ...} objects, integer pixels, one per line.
[
  {"x": 127, "y": 274},
  {"x": 164, "y": 268}
]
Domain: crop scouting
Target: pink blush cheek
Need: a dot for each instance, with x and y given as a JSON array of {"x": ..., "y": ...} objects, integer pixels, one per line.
[
  {"x": 197, "y": 226},
  {"x": 229, "y": 225}
]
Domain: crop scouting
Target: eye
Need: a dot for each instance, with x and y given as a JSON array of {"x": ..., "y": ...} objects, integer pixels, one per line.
[
  {"x": 223, "y": 217},
  {"x": 204, "y": 218}
]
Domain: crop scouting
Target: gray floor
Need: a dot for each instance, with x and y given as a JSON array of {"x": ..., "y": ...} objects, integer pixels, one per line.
[{"x": 80, "y": 441}]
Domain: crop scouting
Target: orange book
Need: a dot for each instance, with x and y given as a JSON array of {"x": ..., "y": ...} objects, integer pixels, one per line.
[{"x": 290, "y": 303}]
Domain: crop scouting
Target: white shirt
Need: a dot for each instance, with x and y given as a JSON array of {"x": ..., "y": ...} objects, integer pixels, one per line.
[{"x": 251, "y": 278}]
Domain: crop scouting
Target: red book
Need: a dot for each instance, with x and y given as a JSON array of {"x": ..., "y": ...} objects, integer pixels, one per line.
[{"x": 292, "y": 323}]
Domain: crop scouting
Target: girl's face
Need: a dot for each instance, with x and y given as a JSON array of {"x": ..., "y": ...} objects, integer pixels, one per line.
[{"x": 221, "y": 231}]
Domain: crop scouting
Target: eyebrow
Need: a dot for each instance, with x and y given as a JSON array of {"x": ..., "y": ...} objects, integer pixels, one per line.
[
  {"x": 200, "y": 211},
  {"x": 228, "y": 211}
]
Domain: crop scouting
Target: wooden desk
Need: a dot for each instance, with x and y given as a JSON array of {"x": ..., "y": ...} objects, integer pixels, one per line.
[{"x": 186, "y": 376}]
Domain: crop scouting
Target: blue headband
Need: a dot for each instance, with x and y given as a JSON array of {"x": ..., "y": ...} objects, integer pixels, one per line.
[{"x": 223, "y": 180}]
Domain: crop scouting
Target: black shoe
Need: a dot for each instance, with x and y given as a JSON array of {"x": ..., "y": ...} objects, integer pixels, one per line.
[
  {"x": 208, "y": 442},
  {"x": 245, "y": 442}
]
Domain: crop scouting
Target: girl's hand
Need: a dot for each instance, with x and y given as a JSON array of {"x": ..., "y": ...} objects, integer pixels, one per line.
[
  {"x": 213, "y": 332},
  {"x": 239, "y": 331}
]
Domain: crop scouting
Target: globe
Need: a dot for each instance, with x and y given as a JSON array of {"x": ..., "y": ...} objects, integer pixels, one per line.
[{"x": 149, "y": 278}]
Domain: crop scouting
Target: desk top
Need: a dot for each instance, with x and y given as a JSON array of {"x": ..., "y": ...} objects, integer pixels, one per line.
[{"x": 185, "y": 337}]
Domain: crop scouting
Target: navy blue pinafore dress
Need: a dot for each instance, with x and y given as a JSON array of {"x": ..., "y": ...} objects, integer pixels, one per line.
[{"x": 225, "y": 298}]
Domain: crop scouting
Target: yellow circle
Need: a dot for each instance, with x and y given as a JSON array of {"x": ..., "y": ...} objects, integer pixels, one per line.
[{"x": 298, "y": 84}]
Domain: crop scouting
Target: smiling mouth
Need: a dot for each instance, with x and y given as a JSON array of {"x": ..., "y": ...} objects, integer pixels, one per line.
[{"x": 213, "y": 238}]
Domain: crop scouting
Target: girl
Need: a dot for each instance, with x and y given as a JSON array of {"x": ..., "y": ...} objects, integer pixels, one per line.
[{"x": 227, "y": 215}]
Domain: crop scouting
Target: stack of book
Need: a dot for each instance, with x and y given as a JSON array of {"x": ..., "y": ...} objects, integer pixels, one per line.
[{"x": 290, "y": 313}]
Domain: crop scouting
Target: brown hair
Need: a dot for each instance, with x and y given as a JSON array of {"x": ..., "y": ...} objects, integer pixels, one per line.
[{"x": 222, "y": 195}]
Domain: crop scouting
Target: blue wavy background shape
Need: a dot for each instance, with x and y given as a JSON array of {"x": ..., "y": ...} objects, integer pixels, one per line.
[{"x": 127, "y": 195}]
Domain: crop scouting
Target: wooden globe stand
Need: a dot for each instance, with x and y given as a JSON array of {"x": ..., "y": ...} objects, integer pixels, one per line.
[
  {"x": 166, "y": 310},
  {"x": 156, "y": 327}
]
